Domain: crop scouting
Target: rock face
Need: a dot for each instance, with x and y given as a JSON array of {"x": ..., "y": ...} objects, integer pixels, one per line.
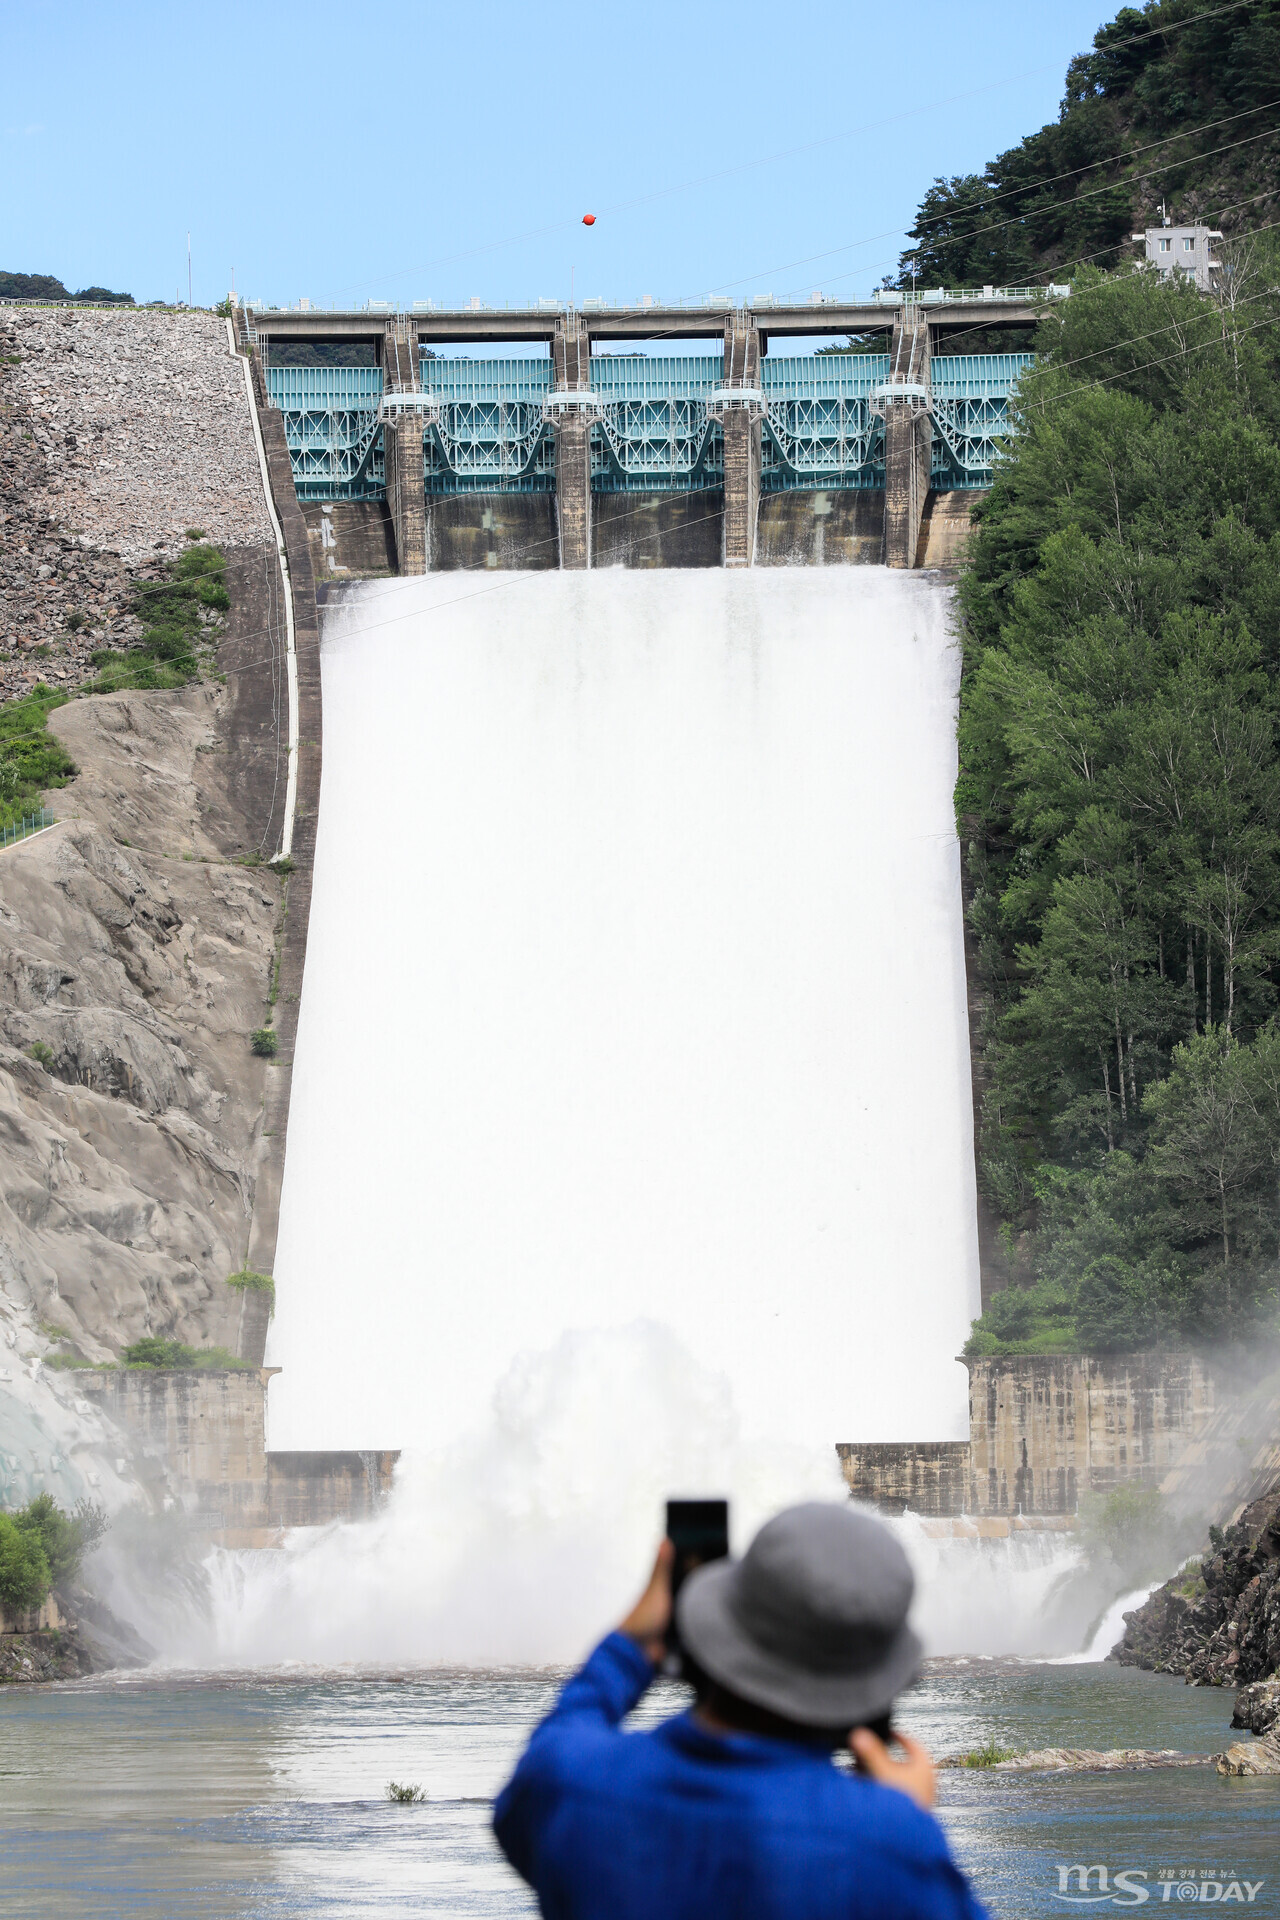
[
  {"x": 1242, "y": 1759},
  {"x": 1257, "y": 1707},
  {"x": 118, "y": 431},
  {"x": 43, "y": 1656},
  {"x": 135, "y": 961},
  {"x": 1219, "y": 1624}
]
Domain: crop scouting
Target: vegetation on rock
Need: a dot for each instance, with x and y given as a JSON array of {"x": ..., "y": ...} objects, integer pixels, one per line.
[
  {"x": 173, "y": 1356},
  {"x": 174, "y": 643},
  {"x": 990, "y": 1755},
  {"x": 31, "y": 758},
  {"x": 1119, "y": 810},
  {"x": 247, "y": 1281}
]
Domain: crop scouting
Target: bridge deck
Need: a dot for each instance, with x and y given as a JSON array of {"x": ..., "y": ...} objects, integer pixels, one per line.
[{"x": 491, "y": 325}]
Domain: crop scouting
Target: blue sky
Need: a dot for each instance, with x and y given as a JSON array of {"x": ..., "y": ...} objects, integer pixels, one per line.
[{"x": 432, "y": 152}]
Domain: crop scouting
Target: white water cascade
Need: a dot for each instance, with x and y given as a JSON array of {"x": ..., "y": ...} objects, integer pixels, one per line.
[{"x": 631, "y": 1145}]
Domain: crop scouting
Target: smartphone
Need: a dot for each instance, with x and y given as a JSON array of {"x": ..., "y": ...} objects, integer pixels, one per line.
[{"x": 699, "y": 1531}]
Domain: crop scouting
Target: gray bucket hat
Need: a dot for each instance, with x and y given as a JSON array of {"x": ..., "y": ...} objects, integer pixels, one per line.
[{"x": 812, "y": 1621}]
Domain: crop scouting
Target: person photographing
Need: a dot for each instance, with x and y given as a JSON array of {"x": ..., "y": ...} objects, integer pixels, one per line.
[{"x": 733, "y": 1810}]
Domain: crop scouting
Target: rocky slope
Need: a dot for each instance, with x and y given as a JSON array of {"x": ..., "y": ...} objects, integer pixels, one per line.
[
  {"x": 1218, "y": 1621},
  {"x": 118, "y": 431},
  {"x": 139, "y": 935},
  {"x": 135, "y": 961}
]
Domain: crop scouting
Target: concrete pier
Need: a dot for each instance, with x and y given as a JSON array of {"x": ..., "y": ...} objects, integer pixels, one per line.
[
  {"x": 908, "y": 438},
  {"x": 740, "y": 407},
  {"x": 573, "y": 411},
  {"x": 403, "y": 420}
]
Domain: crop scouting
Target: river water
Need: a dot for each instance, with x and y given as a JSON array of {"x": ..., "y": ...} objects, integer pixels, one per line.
[{"x": 202, "y": 1797}]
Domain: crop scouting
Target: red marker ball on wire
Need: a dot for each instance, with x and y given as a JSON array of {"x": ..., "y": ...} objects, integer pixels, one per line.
[{"x": 588, "y": 219}]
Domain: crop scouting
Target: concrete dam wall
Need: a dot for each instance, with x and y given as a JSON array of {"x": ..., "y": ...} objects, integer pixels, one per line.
[
  {"x": 355, "y": 539},
  {"x": 1048, "y": 1430}
]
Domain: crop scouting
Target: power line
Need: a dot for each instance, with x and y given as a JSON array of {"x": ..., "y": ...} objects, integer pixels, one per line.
[{"x": 788, "y": 153}]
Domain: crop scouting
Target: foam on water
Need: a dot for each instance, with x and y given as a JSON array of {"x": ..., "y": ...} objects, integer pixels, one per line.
[{"x": 632, "y": 1083}]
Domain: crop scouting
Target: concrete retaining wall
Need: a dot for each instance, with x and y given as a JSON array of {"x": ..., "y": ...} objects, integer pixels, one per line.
[
  {"x": 206, "y": 1431},
  {"x": 946, "y": 526},
  {"x": 199, "y": 1441},
  {"x": 42, "y": 1619},
  {"x": 1045, "y": 1429},
  {"x": 930, "y": 1478},
  {"x": 296, "y": 902},
  {"x": 313, "y": 1489}
]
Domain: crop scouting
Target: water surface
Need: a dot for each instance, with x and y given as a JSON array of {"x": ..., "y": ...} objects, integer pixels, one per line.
[{"x": 208, "y": 1797}]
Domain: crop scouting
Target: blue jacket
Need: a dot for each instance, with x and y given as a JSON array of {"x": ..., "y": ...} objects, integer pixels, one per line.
[{"x": 677, "y": 1823}]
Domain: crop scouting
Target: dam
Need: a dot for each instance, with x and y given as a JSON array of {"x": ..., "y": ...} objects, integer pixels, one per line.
[
  {"x": 582, "y": 430},
  {"x": 618, "y": 856}
]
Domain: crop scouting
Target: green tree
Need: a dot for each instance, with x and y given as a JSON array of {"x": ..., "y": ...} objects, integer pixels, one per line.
[
  {"x": 1119, "y": 807},
  {"x": 24, "y": 1571},
  {"x": 63, "y": 1538}
]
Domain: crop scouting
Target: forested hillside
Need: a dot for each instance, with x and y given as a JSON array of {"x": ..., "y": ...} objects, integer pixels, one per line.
[
  {"x": 1119, "y": 806},
  {"x": 1178, "y": 102}
]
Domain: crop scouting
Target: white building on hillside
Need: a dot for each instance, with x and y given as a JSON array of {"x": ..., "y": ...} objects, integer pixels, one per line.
[{"x": 1182, "y": 249}]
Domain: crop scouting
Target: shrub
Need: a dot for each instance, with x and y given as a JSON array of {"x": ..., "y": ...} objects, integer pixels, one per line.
[
  {"x": 41, "y": 1051},
  {"x": 247, "y": 1281},
  {"x": 174, "y": 1356},
  {"x": 212, "y": 593},
  {"x": 25, "y": 1579},
  {"x": 1035, "y": 1319},
  {"x": 1130, "y": 1526},
  {"x": 63, "y": 1538},
  {"x": 264, "y": 1043},
  {"x": 195, "y": 533},
  {"x": 167, "y": 656},
  {"x": 31, "y": 758},
  {"x": 405, "y": 1794},
  {"x": 74, "y": 622},
  {"x": 989, "y": 1755}
]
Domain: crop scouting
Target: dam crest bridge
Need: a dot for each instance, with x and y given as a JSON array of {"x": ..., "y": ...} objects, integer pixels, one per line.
[{"x": 590, "y": 419}]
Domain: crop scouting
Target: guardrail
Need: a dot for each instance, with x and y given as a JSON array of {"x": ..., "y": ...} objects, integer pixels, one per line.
[
  {"x": 24, "y": 828},
  {"x": 711, "y": 302}
]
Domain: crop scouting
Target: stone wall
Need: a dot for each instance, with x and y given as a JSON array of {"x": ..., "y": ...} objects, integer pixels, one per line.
[{"x": 1044, "y": 1430}]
